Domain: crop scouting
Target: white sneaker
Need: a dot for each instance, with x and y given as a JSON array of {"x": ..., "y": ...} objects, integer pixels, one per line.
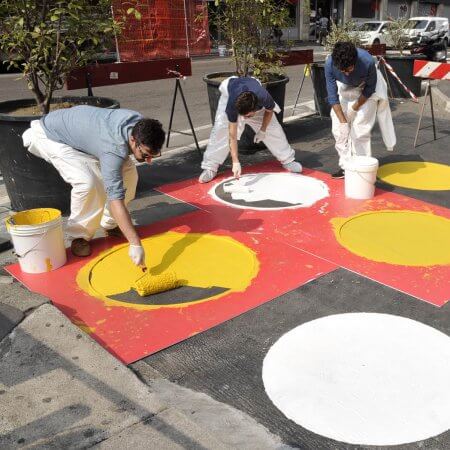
[
  {"x": 390, "y": 149},
  {"x": 207, "y": 175},
  {"x": 293, "y": 166}
]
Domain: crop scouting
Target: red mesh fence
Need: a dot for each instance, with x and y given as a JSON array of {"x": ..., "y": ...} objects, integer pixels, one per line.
[{"x": 166, "y": 29}]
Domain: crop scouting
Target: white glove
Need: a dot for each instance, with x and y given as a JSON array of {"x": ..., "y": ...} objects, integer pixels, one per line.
[
  {"x": 351, "y": 114},
  {"x": 137, "y": 255},
  {"x": 260, "y": 136},
  {"x": 237, "y": 170},
  {"x": 343, "y": 132}
]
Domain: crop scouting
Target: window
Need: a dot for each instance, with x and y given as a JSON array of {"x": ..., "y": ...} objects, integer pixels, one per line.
[
  {"x": 370, "y": 26},
  {"x": 417, "y": 24},
  {"x": 364, "y": 8},
  {"x": 431, "y": 26}
]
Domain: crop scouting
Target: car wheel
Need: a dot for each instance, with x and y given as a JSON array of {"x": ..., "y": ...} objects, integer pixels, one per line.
[{"x": 376, "y": 41}]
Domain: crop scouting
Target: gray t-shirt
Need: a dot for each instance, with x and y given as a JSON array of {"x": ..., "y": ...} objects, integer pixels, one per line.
[{"x": 99, "y": 132}]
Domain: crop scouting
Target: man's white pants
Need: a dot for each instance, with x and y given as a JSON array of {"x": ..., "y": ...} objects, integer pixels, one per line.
[
  {"x": 219, "y": 147},
  {"x": 377, "y": 105},
  {"x": 89, "y": 208}
]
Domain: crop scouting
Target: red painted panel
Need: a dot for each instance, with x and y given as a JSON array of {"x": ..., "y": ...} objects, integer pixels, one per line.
[
  {"x": 127, "y": 72},
  {"x": 130, "y": 334},
  {"x": 310, "y": 230}
]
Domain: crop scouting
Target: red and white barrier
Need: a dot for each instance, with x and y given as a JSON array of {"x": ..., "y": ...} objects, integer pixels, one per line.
[
  {"x": 392, "y": 72},
  {"x": 430, "y": 69}
]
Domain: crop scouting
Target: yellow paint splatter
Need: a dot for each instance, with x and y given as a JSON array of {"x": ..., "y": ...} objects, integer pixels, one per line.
[
  {"x": 407, "y": 238},
  {"x": 200, "y": 260},
  {"x": 48, "y": 264},
  {"x": 425, "y": 176}
]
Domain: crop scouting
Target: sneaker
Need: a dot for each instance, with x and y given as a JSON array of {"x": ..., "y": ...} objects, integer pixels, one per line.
[
  {"x": 114, "y": 232},
  {"x": 339, "y": 174},
  {"x": 293, "y": 166},
  {"x": 80, "y": 247},
  {"x": 207, "y": 175}
]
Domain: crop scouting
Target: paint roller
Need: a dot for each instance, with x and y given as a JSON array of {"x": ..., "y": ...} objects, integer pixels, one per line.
[{"x": 149, "y": 284}]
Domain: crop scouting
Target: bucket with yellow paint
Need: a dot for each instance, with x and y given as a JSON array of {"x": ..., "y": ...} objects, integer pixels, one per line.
[
  {"x": 38, "y": 240},
  {"x": 360, "y": 177}
]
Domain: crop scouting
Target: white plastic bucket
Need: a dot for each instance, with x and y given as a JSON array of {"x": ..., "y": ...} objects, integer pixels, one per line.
[
  {"x": 37, "y": 236},
  {"x": 222, "y": 50},
  {"x": 360, "y": 177}
]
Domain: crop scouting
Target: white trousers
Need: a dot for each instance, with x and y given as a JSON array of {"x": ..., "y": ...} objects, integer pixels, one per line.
[
  {"x": 88, "y": 207},
  {"x": 218, "y": 146},
  {"x": 377, "y": 106}
]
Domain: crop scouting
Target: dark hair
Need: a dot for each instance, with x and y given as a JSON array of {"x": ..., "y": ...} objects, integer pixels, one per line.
[
  {"x": 246, "y": 102},
  {"x": 149, "y": 132},
  {"x": 344, "y": 55}
]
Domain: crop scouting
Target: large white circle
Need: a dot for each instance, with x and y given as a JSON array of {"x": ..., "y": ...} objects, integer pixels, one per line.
[
  {"x": 360, "y": 378},
  {"x": 290, "y": 189}
]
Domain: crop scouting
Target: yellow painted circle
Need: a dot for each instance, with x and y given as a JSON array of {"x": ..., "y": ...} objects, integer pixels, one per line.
[
  {"x": 201, "y": 260},
  {"x": 406, "y": 238},
  {"x": 425, "y": 176}
]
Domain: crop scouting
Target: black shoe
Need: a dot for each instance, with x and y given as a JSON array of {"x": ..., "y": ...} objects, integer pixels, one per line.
[{"x": 339, "y": 174}]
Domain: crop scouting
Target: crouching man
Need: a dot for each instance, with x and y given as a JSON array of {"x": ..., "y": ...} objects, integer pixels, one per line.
[
  {"x": 90, "y": 148},
  {"x": 244, "y": 101}
]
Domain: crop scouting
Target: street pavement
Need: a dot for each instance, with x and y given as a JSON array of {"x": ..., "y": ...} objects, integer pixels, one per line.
[{"x": 60, "y": 389}]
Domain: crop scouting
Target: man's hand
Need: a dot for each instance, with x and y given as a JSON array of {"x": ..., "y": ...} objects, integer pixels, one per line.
[
  {"x": 260, "y": 136},
  {"x": 351, "y": 113},
  {"x": 137, "y": 255},
  {"x": 343, "y": 131},
  {"x": 236, "y": 169}
]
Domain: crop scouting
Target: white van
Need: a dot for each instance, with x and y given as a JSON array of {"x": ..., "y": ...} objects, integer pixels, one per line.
[{"x": 427, "y": 30}]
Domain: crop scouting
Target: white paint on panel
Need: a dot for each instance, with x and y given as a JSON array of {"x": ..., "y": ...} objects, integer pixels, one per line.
[
  {"x": 360, "y": 378},
  {"x": 299, "y": 191}
]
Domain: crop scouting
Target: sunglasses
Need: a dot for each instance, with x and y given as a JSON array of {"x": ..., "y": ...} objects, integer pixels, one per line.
[{"x": 150, "y": 154}]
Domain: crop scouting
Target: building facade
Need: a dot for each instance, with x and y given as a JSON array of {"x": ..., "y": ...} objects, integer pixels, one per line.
[{"x": 304, "y": 15}]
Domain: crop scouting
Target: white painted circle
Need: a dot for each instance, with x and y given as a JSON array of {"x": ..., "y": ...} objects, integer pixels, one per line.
[
  {"x": 360, "y": 378},
  {"x": 291, "y": 189}
]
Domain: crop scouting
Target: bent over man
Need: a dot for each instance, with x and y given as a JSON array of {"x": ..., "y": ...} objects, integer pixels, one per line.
[
  {"x": 357, "y": 93},
  {"x": 90, "y": 147},
  {"x": 244, "y": 101}
]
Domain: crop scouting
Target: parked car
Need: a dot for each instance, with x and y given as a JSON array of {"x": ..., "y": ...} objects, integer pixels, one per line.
[
  {"x": 374, "y": 32},
  {"x": 427, "y": 30}
]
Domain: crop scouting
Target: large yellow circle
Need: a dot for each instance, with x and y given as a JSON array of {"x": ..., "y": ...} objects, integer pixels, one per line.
[
  {"x": 425, "y": 176},
  {"x": 406, "y": 238},
  {"x": 201, "y": 260}
]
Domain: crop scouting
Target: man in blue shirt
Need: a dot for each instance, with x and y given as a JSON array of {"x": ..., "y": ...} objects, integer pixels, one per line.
[
  {"x": 357, "y": 93},
  {"x": 244, "y": 101},
  {"x": 90, "y": 147}
]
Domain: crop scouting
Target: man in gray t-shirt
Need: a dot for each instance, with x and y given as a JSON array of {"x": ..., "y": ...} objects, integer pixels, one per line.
[{"x": 90, "y": 147}]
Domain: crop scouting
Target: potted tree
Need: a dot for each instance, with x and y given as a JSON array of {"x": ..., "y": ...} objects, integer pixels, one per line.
[
  {"x": 348, "y": 32},
  {"x": 397, "y": 36},
  {"x": 45, "y": 41},
  {"x": 246, "y": 26}
]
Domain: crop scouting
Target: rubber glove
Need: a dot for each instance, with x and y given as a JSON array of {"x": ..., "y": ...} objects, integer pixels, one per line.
[
  {"x": 351, "y": 114},
  {"x": 137, "y": 255},
  {"x": 344, "y": 131},
  {"x": 237, "y": 170},
  {"x": 260, "y": 136}
]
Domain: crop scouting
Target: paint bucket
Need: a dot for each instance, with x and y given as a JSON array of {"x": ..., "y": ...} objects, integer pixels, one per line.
[
  {"x": 222, "y": 50},
  {"x": 360, "y": 177},
  {"x": 38, "y": 240}
]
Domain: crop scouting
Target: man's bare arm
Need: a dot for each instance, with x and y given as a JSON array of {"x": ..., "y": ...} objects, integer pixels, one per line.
[
  {"x": 232, "y": 135},
  {"x": 120, "y": 213}
]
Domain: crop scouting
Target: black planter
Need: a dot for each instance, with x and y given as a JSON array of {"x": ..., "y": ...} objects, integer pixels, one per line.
[
  {"x": 31, "y": 182},
  {"x": 320, "y": 89},
  {"x": 277, "y": 89},
  {"x": 403, "y": 67}
]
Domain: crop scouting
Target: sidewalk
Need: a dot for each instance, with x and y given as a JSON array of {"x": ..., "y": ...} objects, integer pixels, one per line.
[{"x": 60, "y": 389}]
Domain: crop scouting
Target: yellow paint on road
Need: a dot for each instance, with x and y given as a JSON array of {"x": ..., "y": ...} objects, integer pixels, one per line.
[
  {"x": 406, "y": 238},
  {"x": 200, "y": 260},
  {"x": 425, "y": 176}
]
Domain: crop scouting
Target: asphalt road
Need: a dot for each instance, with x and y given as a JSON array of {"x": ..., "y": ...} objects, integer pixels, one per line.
[{"x": 154, "y": 98}]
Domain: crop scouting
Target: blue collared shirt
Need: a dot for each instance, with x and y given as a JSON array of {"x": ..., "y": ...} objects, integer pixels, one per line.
[
  {"x": 365, "y": 72},
  {"x": 236, "y": 86},
  {"x": 100, "y": 132}
]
